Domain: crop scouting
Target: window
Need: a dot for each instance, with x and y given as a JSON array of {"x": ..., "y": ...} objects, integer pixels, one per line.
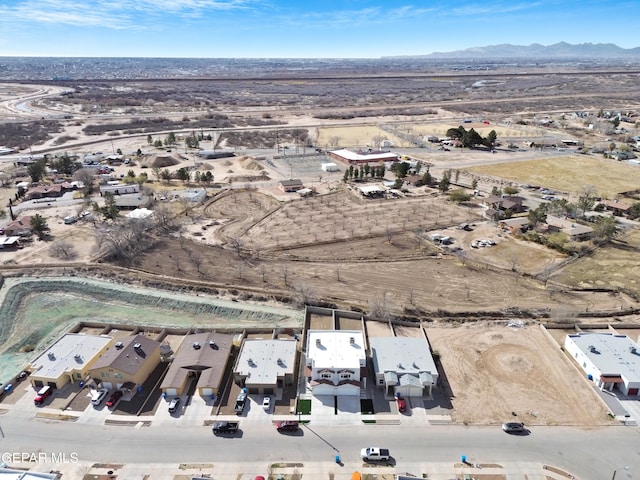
[
  {"x": 345, "y": 376},
  {"x": 381, "y": 381},
  {"x": 325, "y": 375}
]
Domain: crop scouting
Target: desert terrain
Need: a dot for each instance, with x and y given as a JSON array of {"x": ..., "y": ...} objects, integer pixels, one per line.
[{"x": 249, "y": 241}]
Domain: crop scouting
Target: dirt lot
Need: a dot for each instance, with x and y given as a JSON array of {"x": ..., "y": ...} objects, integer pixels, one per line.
[{"x": 494, "y": 370}]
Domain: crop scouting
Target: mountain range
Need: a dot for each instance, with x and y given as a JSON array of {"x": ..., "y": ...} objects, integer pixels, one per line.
[{"x": 535, "y": 50}]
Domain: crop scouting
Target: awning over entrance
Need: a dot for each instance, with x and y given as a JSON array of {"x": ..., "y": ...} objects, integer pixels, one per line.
[{"x": 611, "y": 379}]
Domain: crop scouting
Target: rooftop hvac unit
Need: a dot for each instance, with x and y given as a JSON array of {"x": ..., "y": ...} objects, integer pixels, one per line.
[
  {"x": 119, "y": 345},
  {"x": 51, "y": 355},
  {"x": 77, "y": 356},
  {"x": 632, "y": 349},
  {"x": 318, "y": 342},
  {"x": 196, "y": 345},
  {"x": 352, "y": 340},
  {"x": 137, "y": 346}
]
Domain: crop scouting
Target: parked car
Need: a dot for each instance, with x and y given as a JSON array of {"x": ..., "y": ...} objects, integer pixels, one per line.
[
  {"x": 42, "y": 394},
  {"x": 174, "y": 404},
  {"x": 402, "y": 404},
  {"x": 97, "y": 396},
  {"x": 22, "y": 375},
  {"x": 513, "y": 427},
  {"x": 113, "y": 399},
  {"x": 287, "y": 426},
  {"x": 375, "y": 454},
  {"x": 222, "y": 427},
  {"x": 266, "y": 403}
]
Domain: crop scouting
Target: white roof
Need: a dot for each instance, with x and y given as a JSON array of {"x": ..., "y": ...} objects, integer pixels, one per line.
[
  {"x": 611, "y": 355},
  {"x": 71, "y": 352},
  {"x": 139, "y": 213},
  {"x": 371, "y": 189},
  {"x": 401, "y": 355},
  {"x": 349, "y": 155},
  {"x": 11, "y": 474},
  {"x": 336, "y": 349},
  {"x": 8, "y": 240},
  {"x": 264, "y": 361}
]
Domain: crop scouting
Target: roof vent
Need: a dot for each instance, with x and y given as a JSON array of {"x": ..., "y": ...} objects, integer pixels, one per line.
[
  {"x": 119, "y": 345},
  {"x": 250, "y": 362},
  {"x": 137, "y": 346},
  {"x": 196, "y": 345},
  {"x": 400, "y": 366},
  {"x": 51, "y": 355}
]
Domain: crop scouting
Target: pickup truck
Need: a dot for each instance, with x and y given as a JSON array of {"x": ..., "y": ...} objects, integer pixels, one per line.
[
  {"x": 375, "y": 454},
  {"x": 240, "y": 401},
  {"x": 225, "y": 427}
]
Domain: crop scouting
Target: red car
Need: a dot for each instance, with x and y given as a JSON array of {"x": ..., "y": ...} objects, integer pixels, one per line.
[
  {"x": 113, "y": 399},
  {"x": 402, "y": 404}
]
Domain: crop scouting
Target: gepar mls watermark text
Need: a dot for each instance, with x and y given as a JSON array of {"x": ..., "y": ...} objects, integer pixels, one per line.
[{"x": 38, "y": 457}]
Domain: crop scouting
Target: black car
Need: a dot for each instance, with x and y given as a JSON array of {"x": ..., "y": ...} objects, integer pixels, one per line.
[
  {"x": 287, "y": 426},
  {"x": 513, "y": 427}
]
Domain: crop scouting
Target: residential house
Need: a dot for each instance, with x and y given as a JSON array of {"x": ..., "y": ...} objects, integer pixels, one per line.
[
  {"x": 127, "y": 363},
  {"x": 266, "y": 365},
  {"x": 201, "y": 357},
  {"x": 336, "y": 362},
  {"x": 617, "y": 207},
  {"x": 20, "y": 227},
  {"x": 515, "y": 225},
  {"x": 403, "y": 365},
  {"x": 512, "y": 203},
  {"x": 290, "y": 185},
  {"x": 575, "y": 231},
  {"x": 120, "y": 189},
  {"x": 68, "y": 360}
]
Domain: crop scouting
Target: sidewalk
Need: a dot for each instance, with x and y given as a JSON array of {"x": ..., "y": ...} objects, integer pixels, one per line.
[{"x": 313, "y": 471}]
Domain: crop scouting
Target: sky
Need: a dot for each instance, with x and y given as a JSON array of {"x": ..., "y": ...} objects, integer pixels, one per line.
[{"x": 303, "y": 28}]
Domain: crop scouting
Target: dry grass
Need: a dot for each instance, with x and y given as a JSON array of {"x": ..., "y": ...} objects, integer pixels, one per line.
[
  {"x": 614, "y": 266},
  {"x": 569, "y": 174}
]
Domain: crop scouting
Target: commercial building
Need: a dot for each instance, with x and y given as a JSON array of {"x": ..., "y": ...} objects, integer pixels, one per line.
[
  {"x": 610, "y": 361},
  {"x": 356, "y": 158}
]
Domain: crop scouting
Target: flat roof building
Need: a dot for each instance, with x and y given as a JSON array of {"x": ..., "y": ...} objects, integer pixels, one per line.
[
  {"x": 264, "y": 366},
  {"x": 610, "y": 361},
  {"x": 403, "y": 365},
  {"x": 67, "y": 360},
  {"x": 357, "y": 158},
  {"x": 336, "y": 362}
]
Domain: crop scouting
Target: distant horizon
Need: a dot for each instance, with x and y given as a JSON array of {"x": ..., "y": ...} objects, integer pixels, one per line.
[
  {"x": 475, "y": 47},
  {"x": 289, "y": 29}
]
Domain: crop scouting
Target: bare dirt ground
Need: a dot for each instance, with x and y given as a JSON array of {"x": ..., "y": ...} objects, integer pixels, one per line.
[{"x": 494, "y": 370}]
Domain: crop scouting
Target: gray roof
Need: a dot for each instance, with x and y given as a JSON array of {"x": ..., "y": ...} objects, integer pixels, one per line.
[
  {"x": 262, "y": 362},
  {"x": 71, "y": 352},
  {"x": 401, "y": 355},
  {"x": 127, "y": 359},
  {"x": 611, "y": 354}
]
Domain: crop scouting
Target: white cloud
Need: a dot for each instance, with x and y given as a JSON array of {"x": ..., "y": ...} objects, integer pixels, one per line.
[{"x": 116, "y": 14}]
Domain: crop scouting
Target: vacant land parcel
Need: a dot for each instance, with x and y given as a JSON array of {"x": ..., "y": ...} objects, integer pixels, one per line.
[{"x": 494, "y": 370}]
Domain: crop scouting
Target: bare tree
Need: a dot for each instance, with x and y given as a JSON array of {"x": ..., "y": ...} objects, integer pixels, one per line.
[
  {"x": 236, "y": 244},
  {"x": 389, "y": 234},
  {"x": 285, "y": 274},
  {"x": 62, "y": 249},
  {"x": 86, "y": 176}
]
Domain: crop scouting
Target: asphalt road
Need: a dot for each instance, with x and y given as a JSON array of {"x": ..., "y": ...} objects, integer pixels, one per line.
[{"x": 589, "y": 454}]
